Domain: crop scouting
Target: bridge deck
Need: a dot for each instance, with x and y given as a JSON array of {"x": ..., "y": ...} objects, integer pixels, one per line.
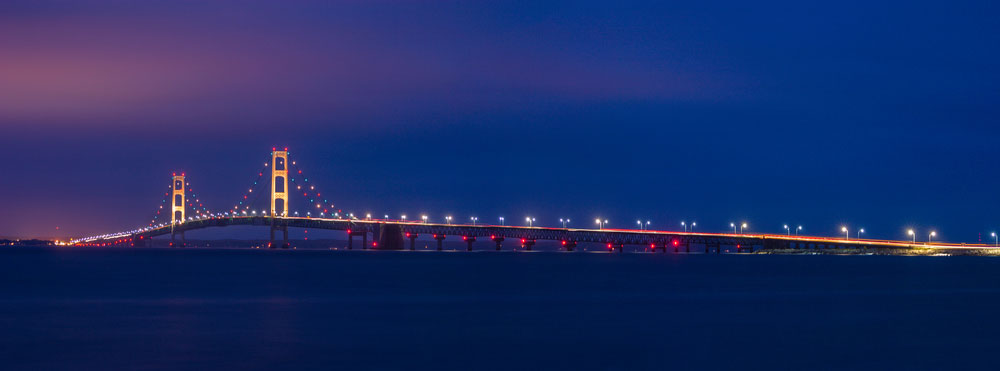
[{"x": 616, "y": 236}]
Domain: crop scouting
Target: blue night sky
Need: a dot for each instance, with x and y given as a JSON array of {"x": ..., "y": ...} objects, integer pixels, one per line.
[{"x": 880, "y": 115}]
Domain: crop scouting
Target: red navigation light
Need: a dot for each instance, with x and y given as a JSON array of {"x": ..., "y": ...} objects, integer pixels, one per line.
[
  {"x": 274, "y": 148},
  {"x": 493, "y": 236},
  {"x": 609, "y": 245},
  {"x": 564, "y": 243},
  {"x": 175, "y": 174},
  {"x": 286, "y": 148},
  {"x": 435, "y": 236},
  {"x": 652, "y": 246},
  {"x": 464, "y": 238},
  {"x": 676, "y": 243},
  {"x": 348, "y": 231},
  {"x": 523, "y": 240},
  {"x": 407, "y": 234},
  {"x": 374, "y": 244},
  {"x": 182, "y": 174}
]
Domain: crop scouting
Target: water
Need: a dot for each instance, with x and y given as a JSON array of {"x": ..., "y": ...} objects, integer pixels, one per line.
[{"x": 204, "y": 309}]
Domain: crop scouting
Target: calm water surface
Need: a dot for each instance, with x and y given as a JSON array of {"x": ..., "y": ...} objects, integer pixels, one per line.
[{"x": 198, "y": 309}]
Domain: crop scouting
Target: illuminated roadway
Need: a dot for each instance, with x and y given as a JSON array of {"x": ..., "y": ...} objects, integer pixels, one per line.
[{"x": 615, "y": 239}]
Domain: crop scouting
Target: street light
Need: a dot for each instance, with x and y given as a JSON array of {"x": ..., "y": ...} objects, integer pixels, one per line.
[
  {"x": 600, "y": 223},
  {"x": 797, "y": 230},
  {"x": 424, "y": 217},
  {"x": 639, "y": 222},
  {"x": 734, "y": 227},
  {"x": 647, "y": 225},
  {"x": 404, "y": 218},
  {"x": 744, "y": 225},
  {"x": 564, "y": 222},
  {"x": 996, "y": 241},
  {"x": 501, "y": 220},
  {"x": 787, "y": 231},
  {"x": 847, "y": 235},
  {"x": 685, "y": 226},
  {"x": 931, "y": 235},
  {"x": 368, "y": 216},
  {"x": 474, "y": 220},
  {"x": 530, "y": 220},
  {"x": 910, "y": 232},
  {"x": 860, "y": 231},
  {"x": 448, "y": 219},
  {"x": 693, "y": 224}
]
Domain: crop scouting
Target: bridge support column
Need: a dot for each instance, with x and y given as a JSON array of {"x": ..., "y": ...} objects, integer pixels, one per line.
[
  {"x": 440, "y": 240},
  {"x": 569, "y": 245},
  {"x": 616, "y": 246},
  {"x": 498, "y": 240},
  {"x": 469, "y": 240},
  {"x": 350, "y": 238},
  {"x": 527, "y": 243},
  {"x": 389, "y": 237},
  {"x": 413, "y": 240},
  {"x": 277, "y": 225}
]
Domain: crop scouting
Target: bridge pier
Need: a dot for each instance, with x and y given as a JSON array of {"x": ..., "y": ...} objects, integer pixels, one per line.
[
  {"x": 569, "y": 245},
  {"x": 616, "y": 246},
  {"x": 389, "y": 237},
  {"x": 413, "y": 240},
  {"x": 284, "y": 232},
  {"x": 469, "y": 240},
  {"x": 526, "y": 244},
  {"x": 440, "y": 240},
  {"x": 173, "y": 239},
  {"x": 364, "y": 240},
  {"x": 498, "y": 240}
]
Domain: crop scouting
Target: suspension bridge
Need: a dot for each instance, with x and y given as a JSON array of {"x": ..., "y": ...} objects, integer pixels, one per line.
[{"x": 187, "y": 212}]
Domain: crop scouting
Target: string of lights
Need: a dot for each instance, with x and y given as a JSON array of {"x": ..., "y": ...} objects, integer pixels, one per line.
[{"x": 310, "y": 193}]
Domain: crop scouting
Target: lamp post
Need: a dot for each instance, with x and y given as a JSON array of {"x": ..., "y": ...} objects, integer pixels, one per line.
[
  {"x": 424, "y": 218},
  {"x": 474, "y": 220},
  {"x": 860, "y": 231},
  {"x": 797, "y": 230},
  {"x": 996, "y": 240},
  {"x": 847, "y": 234},
  {"x": 787, "y": 231},
  {"x": 744, "y": 225},
  {"x": 911, "y": 233},
  {"x": 685, "y": 226},
  {"x": 931, "y": 236},
  {"x": 693, "y": 224},
  {"x": 601, "y": 224},
  {"x": 564, "y": 222},
  {"x": 448, "y": 219},
  {"x": 639, "y": 222},
  {"x": 530, "y": 221},
  {"x": 647, "y": 225},
  {"x": 734, "y": 227},
  {"x": 404, "y": 218},
  {"x": 501, "y": 220}
]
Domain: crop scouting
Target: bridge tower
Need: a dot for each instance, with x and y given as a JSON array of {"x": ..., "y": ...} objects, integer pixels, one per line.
[
  {"x": 279, "y": 193},
  {"x": 177, "y": 208}
]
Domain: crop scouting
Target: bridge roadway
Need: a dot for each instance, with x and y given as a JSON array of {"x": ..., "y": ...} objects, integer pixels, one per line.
[{"x": 389, "y": 234}]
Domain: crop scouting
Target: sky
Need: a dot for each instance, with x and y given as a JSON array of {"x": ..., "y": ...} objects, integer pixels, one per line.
[{"x": 875, "y": 115}]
